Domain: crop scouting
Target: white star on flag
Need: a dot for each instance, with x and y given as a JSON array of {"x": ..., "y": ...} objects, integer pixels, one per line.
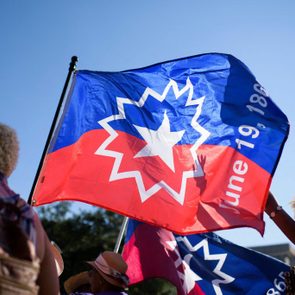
[
  {"x": 160, "y": 142},
  {"x": 226, "y": 279},
  {"x": 187, "y": 275}
]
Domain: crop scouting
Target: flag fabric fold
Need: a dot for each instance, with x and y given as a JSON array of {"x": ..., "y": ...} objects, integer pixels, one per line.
[
  {"x": 190, "y": 145},
  {"x": 200, "y": 263}
]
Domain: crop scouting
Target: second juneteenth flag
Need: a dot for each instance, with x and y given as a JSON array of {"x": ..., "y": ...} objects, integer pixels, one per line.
[
  {"x": 200, "y": 264},
  {"x": 189, "y": 145}
]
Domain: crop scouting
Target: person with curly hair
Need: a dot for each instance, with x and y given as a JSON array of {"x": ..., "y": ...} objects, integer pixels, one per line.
[{"x": 24, "y": 246}]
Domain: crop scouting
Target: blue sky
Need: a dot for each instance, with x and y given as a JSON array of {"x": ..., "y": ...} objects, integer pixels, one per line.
[{"x": 38, "y": 39}]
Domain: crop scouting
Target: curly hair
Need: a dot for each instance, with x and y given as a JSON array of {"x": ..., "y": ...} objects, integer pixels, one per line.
[{"x": 9, "y": 148}]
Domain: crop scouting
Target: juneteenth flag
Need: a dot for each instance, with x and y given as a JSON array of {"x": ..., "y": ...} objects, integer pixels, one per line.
[
  {"x": 189, "y": 145},
  {"x": 200, "y": 264}
]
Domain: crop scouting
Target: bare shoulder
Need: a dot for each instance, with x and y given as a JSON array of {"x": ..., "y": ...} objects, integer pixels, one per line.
[{"x": 40, "y": 237}]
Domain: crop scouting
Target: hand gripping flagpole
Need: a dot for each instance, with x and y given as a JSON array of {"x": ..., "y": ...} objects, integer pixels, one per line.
[
  {"x": 72, "y": 67},
  {"x": 121, "y": 233}
]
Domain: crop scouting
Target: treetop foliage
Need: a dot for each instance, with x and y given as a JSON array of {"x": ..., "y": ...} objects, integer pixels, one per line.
[{"x": 83, "y": 234}]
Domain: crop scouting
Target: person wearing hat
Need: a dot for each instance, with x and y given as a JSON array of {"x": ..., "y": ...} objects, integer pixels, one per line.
[
  {"x": 108, "y": 274},
  {"x": 37, "y": 272}
]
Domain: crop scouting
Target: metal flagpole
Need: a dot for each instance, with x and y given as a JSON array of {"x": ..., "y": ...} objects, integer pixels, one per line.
[
  {"x": 121, "y": 233},
  {"x": 72, "y": 67}
]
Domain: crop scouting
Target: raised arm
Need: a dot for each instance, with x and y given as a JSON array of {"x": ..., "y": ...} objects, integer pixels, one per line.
[{"x": 280, "y": 217}]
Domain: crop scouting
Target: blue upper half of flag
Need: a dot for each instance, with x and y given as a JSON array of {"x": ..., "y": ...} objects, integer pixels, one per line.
[{"x": 213, "y": 97}]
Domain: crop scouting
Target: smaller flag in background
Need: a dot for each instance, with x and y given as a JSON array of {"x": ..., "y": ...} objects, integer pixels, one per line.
[{"x": 200, "y": 264}]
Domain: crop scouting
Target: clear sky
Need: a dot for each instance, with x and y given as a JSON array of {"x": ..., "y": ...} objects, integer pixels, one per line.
[{"x": 38, "y": 38}]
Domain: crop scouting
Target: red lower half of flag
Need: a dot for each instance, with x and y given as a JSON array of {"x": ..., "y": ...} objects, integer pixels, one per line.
[{"x": 213, "y": 187}]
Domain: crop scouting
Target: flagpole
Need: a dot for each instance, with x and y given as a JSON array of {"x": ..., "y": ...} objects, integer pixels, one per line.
[
  {"x": 72, "y": 67},
  {"x": 121, "y": 233}
]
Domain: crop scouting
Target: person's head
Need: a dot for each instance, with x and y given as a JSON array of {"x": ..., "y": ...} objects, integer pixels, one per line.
[
  {"x": 108, "y": 272},
  {"x": 9, "y": 148}
]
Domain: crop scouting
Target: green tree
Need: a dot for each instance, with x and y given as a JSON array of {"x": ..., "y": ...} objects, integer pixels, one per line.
[{"x": 83, "y": 235}]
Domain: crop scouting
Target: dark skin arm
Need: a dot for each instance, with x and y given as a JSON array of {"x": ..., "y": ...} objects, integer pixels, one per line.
[
  {"x": 282, "y": 219},
  {"x": 48, "y": 279}
]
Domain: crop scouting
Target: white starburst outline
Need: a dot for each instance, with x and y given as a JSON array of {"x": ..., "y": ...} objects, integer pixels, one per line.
[
  {"x": 188, "y": 276},
  {"x": 227, "y": 279},
  {"x": 116, "y": 175}
]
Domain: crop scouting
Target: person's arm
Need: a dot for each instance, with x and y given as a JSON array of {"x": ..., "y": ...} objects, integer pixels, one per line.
[
  {"x": 47, "y": 280},
  {"x": 281, "y": 218}
]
